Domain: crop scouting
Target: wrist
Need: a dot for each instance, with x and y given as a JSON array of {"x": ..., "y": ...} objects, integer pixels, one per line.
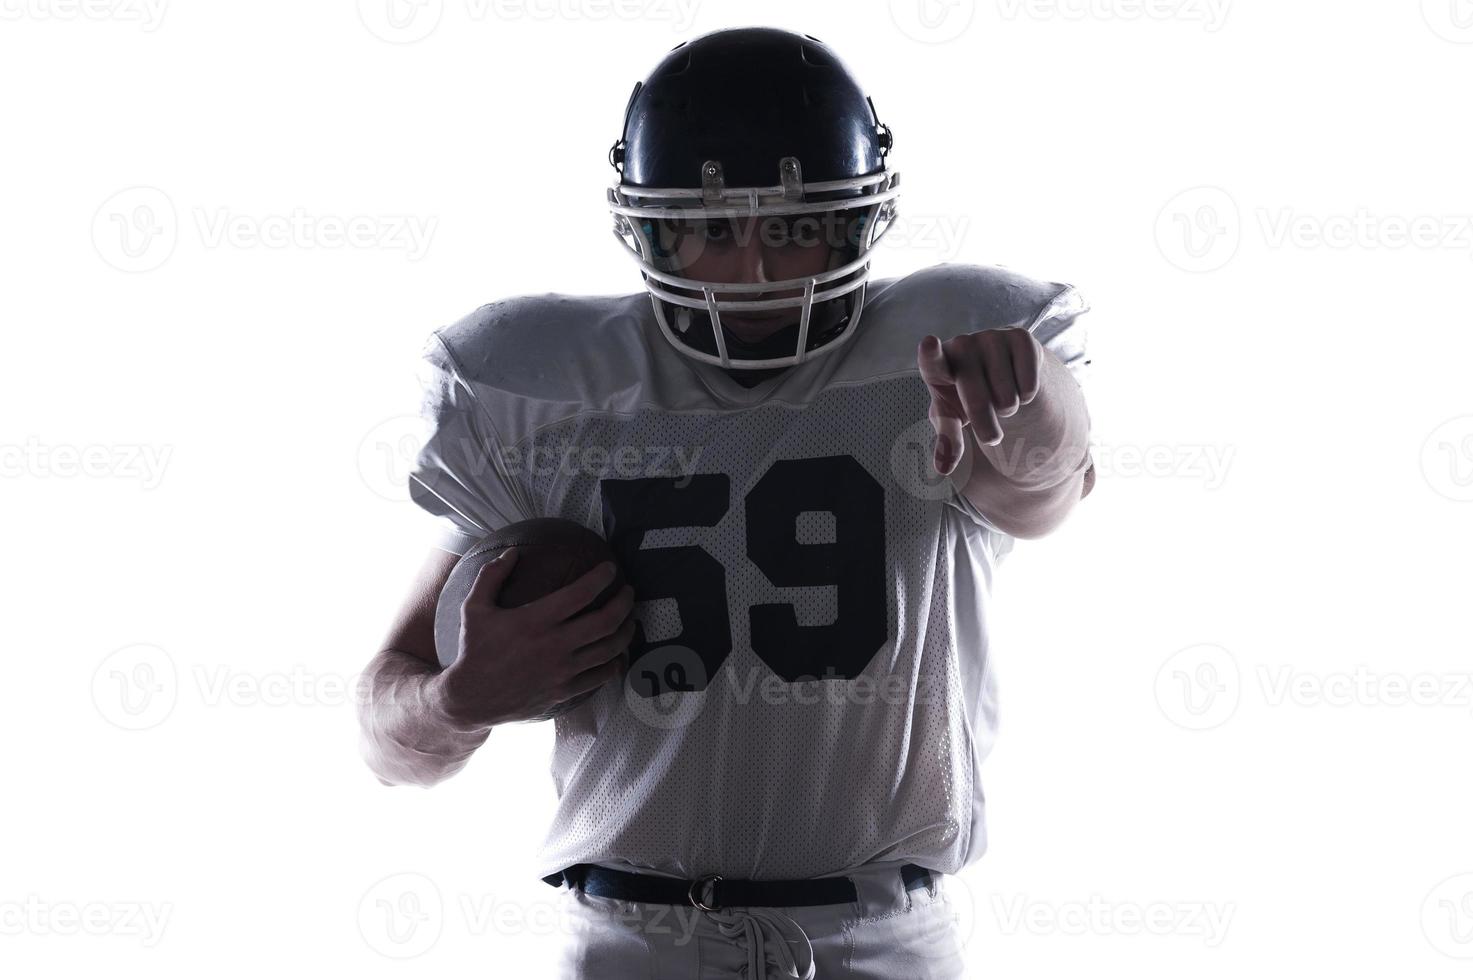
[
  {"x": 449, "y": 711},
  {"x": 1045, "y": 443}
]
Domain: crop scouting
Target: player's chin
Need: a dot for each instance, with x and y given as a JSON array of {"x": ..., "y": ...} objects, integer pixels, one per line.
[{"x": 755, "y": 329}]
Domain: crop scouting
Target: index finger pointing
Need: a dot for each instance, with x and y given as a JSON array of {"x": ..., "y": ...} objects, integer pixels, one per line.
[{"x": 935, "y": 369}]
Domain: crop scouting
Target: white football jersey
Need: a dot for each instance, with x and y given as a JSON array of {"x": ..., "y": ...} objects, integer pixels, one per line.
[{"x": 809, "y": 687}]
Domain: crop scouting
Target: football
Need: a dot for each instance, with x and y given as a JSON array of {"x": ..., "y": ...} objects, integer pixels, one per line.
[{"x": 551, "y": 553}]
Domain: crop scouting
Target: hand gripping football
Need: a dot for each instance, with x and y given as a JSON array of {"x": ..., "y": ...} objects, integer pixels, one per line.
[{"x": 551, "y": 553}]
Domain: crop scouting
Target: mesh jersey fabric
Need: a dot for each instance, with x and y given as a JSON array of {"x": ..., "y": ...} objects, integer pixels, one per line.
[{"x": 812, "y": 689}]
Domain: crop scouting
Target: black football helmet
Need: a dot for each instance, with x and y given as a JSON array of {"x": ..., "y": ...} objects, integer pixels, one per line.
[{"x": 753, "y": 123}]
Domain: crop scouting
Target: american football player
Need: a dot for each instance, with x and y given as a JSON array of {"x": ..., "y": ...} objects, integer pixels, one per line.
[{"x": 809, "y": 477}]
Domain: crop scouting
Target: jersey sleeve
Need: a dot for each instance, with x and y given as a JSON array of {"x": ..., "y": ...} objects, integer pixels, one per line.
[
  {"x": 1062, "y": 333},
  {"x": 1060, "y": 330},
  {"x": 463, "y": 477}
]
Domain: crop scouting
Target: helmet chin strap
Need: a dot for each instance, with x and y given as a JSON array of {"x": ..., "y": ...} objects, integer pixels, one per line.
[{"x": 780, "y": 343}]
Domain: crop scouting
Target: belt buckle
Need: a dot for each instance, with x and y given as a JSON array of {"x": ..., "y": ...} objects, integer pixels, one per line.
[{"x": 695, "y": 887}]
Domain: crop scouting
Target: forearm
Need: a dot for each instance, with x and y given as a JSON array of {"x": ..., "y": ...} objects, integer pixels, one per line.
[
  {"x": 1032, "y": 478},
  {"x": 405, "y": 735}
]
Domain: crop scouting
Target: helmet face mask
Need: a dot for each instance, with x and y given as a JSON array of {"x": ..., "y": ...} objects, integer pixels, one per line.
[{"x": 753, "y": 95}]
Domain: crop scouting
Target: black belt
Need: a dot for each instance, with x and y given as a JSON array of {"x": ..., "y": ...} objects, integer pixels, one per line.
[{"x": 725, "y": 892}]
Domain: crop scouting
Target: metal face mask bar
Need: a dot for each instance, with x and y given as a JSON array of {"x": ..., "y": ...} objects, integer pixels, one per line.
[{"x": 635, "y": 208}]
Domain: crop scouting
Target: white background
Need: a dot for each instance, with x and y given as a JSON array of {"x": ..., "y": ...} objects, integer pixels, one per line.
[{"x": 1204, "y": 675}]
